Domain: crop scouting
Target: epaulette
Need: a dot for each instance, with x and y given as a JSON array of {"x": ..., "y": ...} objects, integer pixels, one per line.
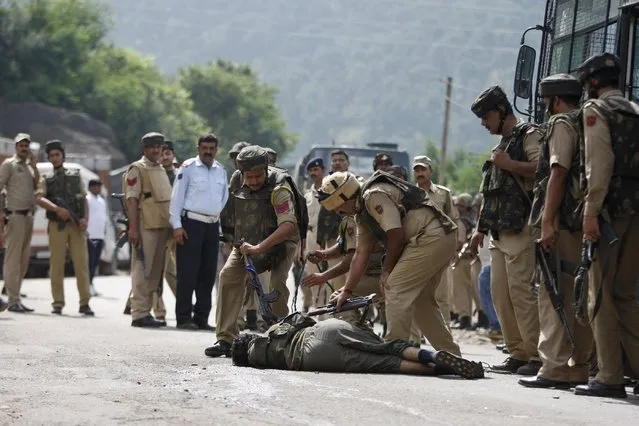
[
  {"x": 188, "y": 162},
  {"x": 442, "y": 187}
]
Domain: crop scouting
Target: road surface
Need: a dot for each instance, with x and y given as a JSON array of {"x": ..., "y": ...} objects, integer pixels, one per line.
[{"x": 75, "y": 370}]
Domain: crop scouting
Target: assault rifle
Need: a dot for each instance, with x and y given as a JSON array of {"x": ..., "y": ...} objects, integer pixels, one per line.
[
  {"x": 124, "y": 236},
  {"x": 465, "y": 249},
  {"x": 74, "y": 218},
  {"x": 264, "y": 300},
  {"x": 550, "y": 266},
  {"x": 588, "y": 255},
  {"x": 351, "y": 304}
]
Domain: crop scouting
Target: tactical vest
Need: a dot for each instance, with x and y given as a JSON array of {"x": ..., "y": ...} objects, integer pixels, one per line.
[
  {"x": 506, "y": 205},
  {"x": 156, "y": 195},
  {"x": 65, "y": 190},
  {"x": 412, "y": 198},
  {"x": 622, "y": 117},
  {"x": 250, "y": 216},
  {"x": 570, "y": 209},
  {"x": 270, "y": 351}
]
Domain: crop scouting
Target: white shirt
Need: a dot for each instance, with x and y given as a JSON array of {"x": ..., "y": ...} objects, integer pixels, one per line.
[
  {"x": 313, "y": 206},
  {"x": 198, "y": 189},
  {"x": 98, "y": 216}
]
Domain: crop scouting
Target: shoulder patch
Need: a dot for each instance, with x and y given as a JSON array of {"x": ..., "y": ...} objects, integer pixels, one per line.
[
  {"x": 282, "y": 208},
  {"x": 132, "y": 181},
  {"x": 591, "y": 120},
  {"x": 379, "y": 209},
  {"x": 351, "y": 231}
]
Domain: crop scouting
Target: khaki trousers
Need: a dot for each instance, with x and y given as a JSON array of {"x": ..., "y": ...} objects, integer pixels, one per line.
[
  {"x": 511, "y": 272},
  {"x": 69, "y": 236},
  {"x": 412, "y": 285},
  {"x": 17, "y": 251},
  {"x": 616, "y": 325},
  {"x": 230, "y": 293},
  {"x": 554, "y": 347},
  {"x": 368, "y": 285},
  {"x": 464, "y": 288},
  {"x": 170, "y": 275},
  {"x": 443, "y": 294},
  {"x": 154, "y": 248}
]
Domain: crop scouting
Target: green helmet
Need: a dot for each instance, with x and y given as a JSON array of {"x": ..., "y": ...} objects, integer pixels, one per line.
[
  {"x": 252, "y": 158},
  {"x": 237, "y": 147},
  {"x": 493, "y": 98},
  {"x": 597, "y": 63},
  {"x": 560, "y": 85}
]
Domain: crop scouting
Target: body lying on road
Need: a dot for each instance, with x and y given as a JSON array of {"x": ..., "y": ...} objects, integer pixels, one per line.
[{"x": 299, "y": 343}]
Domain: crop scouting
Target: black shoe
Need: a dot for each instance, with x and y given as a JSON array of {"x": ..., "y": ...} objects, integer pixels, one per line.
[
  {"x": 453, "y": 317},
  {"x": 3, "y": 305},
  {"x": 542, "y": 382},
  {"x": 595, "y": 388},
  {"x": 127, "y": 310},
  {"x": 147, "y": 321},
  {"x": 251, "y": 319},
  {"x": 509, "y": 366},
  {"x": 205, "y": 327},
  {"x": 19, "y": 307},
  {"x": 57, "y": 310},
  {"x": 500, "y": 347},
  {"x": 161, "y": 320},
  {"x": 530, "y": 369},
  {"x": 221, "y": 347},
  {"x": 463, "y": 324},
  {"x": 187, "y": 326},
  {"x": 636, "y": 390},
  {"x": 86, "y": 310},
  {"x": 461, "y": 367}
]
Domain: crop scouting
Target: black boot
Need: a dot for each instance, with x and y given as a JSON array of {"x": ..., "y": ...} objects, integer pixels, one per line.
[
  {"x": 482, "y": 320},
  {"x": 464, "y": 323},
  {"x": 221, "y": 347}
]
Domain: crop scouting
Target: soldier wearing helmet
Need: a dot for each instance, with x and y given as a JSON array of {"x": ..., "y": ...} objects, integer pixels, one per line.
[
  {"x": 382, "y": 161},
  {"x": 419, "y": 240},
  {"x": 610, "y": 176},
  {"x": 557, "y": 196},
  {"x": 263, "y": 213},
  {"x": 507, "y": 188}
]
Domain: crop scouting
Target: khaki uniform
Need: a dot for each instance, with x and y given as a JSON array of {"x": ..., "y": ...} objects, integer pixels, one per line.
[
  {"x": 69, "y": 236},
  {"x": 19, "y": 180},
  {"x": 149, "y": 183},
  {"x": 170, "y": 275},
  {"x": 554, "y": 348},
  {"x": 511, "y": 273},
  {"x": 441, "y": 196},
  {"x": 464, "y": 286},
  {"x": 315, "y": 295},
  {"x": 233, "y": 276},
  {"x": 413, "y": 282},
  {"x": 616, "y": 325}
]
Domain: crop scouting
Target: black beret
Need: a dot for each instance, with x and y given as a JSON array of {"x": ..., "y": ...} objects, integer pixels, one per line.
[
  {"x": 153, "y": 138},
  {"x": 54, "y": 144},
  {"x": 315, "y": 162}
]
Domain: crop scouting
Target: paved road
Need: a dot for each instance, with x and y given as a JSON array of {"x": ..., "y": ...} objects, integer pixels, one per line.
[{"x": 74, "y": 370}]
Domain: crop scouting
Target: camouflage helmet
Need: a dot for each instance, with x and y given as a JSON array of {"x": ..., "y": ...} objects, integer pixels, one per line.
[
  {"x": 493, "y": 98},
  {"x": 560, "y": 85},
  {"x": 464, "y": 200},
  {"x": 252, "y": 158},
  {"x": 382, "y": 157},
  {"x": 237, "y": 147},
  {"x": 152, "y": 139},
  {"x": 272, "y": 155},
  {"x": 336, "y": 189},
  {"x": 597, "y": 63}
]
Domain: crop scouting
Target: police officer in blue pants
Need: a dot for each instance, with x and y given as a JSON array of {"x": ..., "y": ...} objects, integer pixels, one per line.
[
  {"x": 199, "y": 194},
  {"x": 486, "y": 300}
]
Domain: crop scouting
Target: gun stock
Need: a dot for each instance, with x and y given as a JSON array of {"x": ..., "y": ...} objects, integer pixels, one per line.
[{"x": 264, "y": 300}]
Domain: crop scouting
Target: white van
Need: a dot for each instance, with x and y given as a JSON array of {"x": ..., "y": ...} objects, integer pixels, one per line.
[{"x": 40, "y": 253}]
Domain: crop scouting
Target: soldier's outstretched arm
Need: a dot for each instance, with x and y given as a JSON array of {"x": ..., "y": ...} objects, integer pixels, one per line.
[{"x": 340, "y": 269}]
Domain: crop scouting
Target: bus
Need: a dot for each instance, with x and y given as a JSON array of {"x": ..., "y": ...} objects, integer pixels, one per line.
[
  {"x": 573, "y": 31},
  {"x": 360, "y": 159}
]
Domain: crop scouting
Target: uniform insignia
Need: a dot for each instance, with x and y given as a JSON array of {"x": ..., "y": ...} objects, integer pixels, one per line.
[
  {"x": 179, "y": 176},
  {"x": 351, "y": 232},
  {"x": 282, "y": 208},
  {"x": 379, "y": 209},
  {"x": 132, "y": 182},
  {"x": 591, "y": 120}
]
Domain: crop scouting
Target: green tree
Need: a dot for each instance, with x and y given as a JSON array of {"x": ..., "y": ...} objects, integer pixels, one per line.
[
  {"x": 237, "y": 105},
  {"x": 463, "y": 168}
]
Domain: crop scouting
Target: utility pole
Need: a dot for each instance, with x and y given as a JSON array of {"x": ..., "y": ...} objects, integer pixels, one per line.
[{"x": 442, "y": 159}]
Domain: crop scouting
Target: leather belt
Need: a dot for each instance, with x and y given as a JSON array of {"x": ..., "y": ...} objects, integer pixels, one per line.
[
  {"x": 21, "y": 212},
  {"x": 201, "y": 217}
]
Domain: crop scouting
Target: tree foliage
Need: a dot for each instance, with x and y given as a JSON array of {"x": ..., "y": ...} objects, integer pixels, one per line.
[
  {"x": 463, "y": 168},
  {"x": 236, "y": 104},
  {"x": 55, "y": 52}
]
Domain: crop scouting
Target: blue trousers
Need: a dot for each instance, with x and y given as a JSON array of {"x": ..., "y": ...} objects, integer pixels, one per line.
[
  {"x": 95, "y": 250},
  {"x": 486, "y": 299}
]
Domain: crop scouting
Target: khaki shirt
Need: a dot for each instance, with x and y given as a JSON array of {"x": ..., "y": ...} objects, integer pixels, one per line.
[
  {"x": 383, "y": 201},
  {"x": 599, "y": 157},
  {"x": 562, "y": 147},
  {"x": 284, "y": 205},
  {"x": 18, "y": 179},
  {"x": 350, "y": 232},
  {"x": 532, "y": 143},
  {"x": 441, "y": 196},
  {"x": 42, "y": 186},
  {"x": 134, "y": 180}
]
